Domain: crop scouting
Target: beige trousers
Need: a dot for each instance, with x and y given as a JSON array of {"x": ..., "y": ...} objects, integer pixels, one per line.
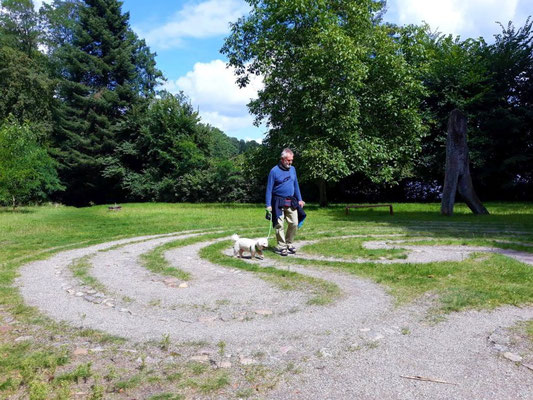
[{"x": 286, "y": 239}]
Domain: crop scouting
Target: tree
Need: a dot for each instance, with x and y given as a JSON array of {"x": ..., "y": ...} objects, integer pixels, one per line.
[
  {"x": 27, "y": 172},
  {"x": 20, "y": 26},
  {"x": 166, "y": 142},
  {"x": 336, "y": 87},
  {"x": 491, "y": 84},
  {"x": 106, "y": 72},
  {"x": 503, "y": 139},
  {"x": 26, "y": 89}
]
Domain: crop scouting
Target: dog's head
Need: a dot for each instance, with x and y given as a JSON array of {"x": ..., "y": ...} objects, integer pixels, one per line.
[{"x": 261, "y": 243}]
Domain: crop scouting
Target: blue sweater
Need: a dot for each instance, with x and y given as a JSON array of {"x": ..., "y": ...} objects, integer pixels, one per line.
[{"x": 282, "y": 183}]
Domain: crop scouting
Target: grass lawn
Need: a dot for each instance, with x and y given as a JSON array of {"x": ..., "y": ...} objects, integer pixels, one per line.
[{"x": 41, "y": 371}]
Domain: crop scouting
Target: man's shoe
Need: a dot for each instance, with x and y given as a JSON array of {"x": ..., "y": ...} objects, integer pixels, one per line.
[
  {"x": 291, "y": 249},
  {"x": 283, "y": 252}
]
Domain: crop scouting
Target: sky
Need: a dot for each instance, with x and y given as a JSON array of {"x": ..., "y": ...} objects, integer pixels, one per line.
[{"x": 187, "y": 35}]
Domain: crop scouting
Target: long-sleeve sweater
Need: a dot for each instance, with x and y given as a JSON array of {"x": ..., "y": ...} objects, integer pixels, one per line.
[{"x": 283, "y": 183}]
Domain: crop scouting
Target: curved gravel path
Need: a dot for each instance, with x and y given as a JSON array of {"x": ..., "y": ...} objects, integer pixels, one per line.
[{"x": 358, "y": 347}]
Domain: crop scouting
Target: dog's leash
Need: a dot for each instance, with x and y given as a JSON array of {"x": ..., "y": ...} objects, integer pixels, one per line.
[{"x": 268, "y": 216}]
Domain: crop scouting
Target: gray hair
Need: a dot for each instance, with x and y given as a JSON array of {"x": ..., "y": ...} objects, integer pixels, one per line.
[{"x": 286, "y": 152}]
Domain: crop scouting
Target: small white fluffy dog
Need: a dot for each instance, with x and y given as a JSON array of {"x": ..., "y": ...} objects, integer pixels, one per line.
[{"x": 252, "y": 246}]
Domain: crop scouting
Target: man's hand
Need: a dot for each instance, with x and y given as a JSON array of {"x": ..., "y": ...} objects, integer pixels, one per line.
[
  {"x": 301, "y": 203},
  {"x": 269, "y": 209},
  {"x": 268, "y": 214}
]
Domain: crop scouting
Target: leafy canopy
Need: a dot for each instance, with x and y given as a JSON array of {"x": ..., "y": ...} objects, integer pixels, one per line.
[
  {"x": 336, "y": 87},
  {"x": 27, "y": 172}
]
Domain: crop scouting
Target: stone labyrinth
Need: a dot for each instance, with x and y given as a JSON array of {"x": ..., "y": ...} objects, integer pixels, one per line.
[{"x": 360, "y": 346}]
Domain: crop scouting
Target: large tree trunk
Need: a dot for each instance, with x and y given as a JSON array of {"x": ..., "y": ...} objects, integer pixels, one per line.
[
  {"x": 323, "y": 200},
  {"x": 457, "y": 176}
]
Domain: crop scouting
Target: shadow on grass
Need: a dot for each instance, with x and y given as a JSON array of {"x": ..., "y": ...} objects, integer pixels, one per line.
[
  {"x": 10, "y": 210},
  {"x": 504, "y": 218}
]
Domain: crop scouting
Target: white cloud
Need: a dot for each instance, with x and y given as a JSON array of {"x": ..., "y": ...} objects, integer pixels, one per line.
[
  {"x": 207, "y": 19},
  {"x": 468, "y": 18},
  {"x": 211, "y": 87}
]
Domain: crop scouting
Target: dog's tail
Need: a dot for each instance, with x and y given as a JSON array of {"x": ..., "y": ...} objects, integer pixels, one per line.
[{"x": 234, "y": 237}]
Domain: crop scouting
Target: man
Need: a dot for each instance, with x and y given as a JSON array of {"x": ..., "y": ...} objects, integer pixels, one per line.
[{"x": 284, "y": 202}]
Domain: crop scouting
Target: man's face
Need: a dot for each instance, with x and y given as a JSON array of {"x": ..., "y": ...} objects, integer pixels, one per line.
[{"x": 287, "y": 160}]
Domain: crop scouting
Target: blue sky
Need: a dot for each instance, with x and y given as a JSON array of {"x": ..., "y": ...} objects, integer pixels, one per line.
[{"x": 188, "y": 34}]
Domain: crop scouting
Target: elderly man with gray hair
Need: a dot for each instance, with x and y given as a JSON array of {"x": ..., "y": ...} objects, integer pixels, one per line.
[{"x": 284, "y": 202}]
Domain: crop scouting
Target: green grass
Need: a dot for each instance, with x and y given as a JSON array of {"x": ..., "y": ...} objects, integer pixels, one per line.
[
  {"x": 80, "y": 269},
  {"x": 323, "y": 292},
  {"x": 156, "y": 262},
  {"x": 31, "y": 370},
  {"x": 24, "y": 364},
  {"x": 481, "y": 281},
  {"x": 352, "y": 248}
]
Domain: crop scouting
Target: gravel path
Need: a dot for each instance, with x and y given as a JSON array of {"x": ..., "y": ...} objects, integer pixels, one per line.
[{"x": 356, "y": 348}]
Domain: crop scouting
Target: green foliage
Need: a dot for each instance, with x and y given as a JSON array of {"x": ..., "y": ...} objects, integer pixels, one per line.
[
  {"x": 105, "y": 71},
  {"x": 175, "y": 158},
  {"x": 492, "y": 85},
  {"x": 337, "y": 89},
  {"x": 27, "y": 172},
  {"x": 19, "y": 26},
  {"x": 25, "y": 88}
]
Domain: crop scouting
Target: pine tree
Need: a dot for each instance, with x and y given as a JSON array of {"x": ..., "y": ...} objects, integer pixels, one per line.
[{"x": 106, "y": 71}]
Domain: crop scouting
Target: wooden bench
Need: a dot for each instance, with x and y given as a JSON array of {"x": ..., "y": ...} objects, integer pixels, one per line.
[
  {"x": 114, "y": 208},
  {"x": 370, "y": 206}
]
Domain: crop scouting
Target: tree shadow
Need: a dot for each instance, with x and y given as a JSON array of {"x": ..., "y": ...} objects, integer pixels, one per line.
[
  {"x": 10, "y": 210},
  {"x": 510, "y": 219}
]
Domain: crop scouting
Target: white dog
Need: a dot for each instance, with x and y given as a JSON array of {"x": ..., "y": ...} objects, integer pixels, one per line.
[{"x": 252, "y": 246}]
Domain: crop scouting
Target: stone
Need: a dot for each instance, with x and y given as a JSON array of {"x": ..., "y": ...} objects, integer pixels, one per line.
[
  {"x": 200, "y": 358},
  {"x": 285, "y": 349},
  {"x": 513, "y": 357},
  {"x": 264, "y": 312},
  {"x": 247, "y": 361},
  {"x": 172, "y": 282},
  {"x": 71, "y": 291},
  {"x": 128, "y": 351},
  {"x": 324, "y": 353},
  {"x": 91, "y": 291},
  {"x": 529, "y": 366},
  {"x": 80, "y": 351},
  {"x": 97, "y": 349},
  {"x": 501, "y": 348},
  {"x": 23, "y": 338},
  {"x": 125, "y": 310},
  {"x": 377, "y": 337},
  {"x": 183, "y": 285},
  {"x": 364, "y": 329},
  {"x": 79, "y": 294}
]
